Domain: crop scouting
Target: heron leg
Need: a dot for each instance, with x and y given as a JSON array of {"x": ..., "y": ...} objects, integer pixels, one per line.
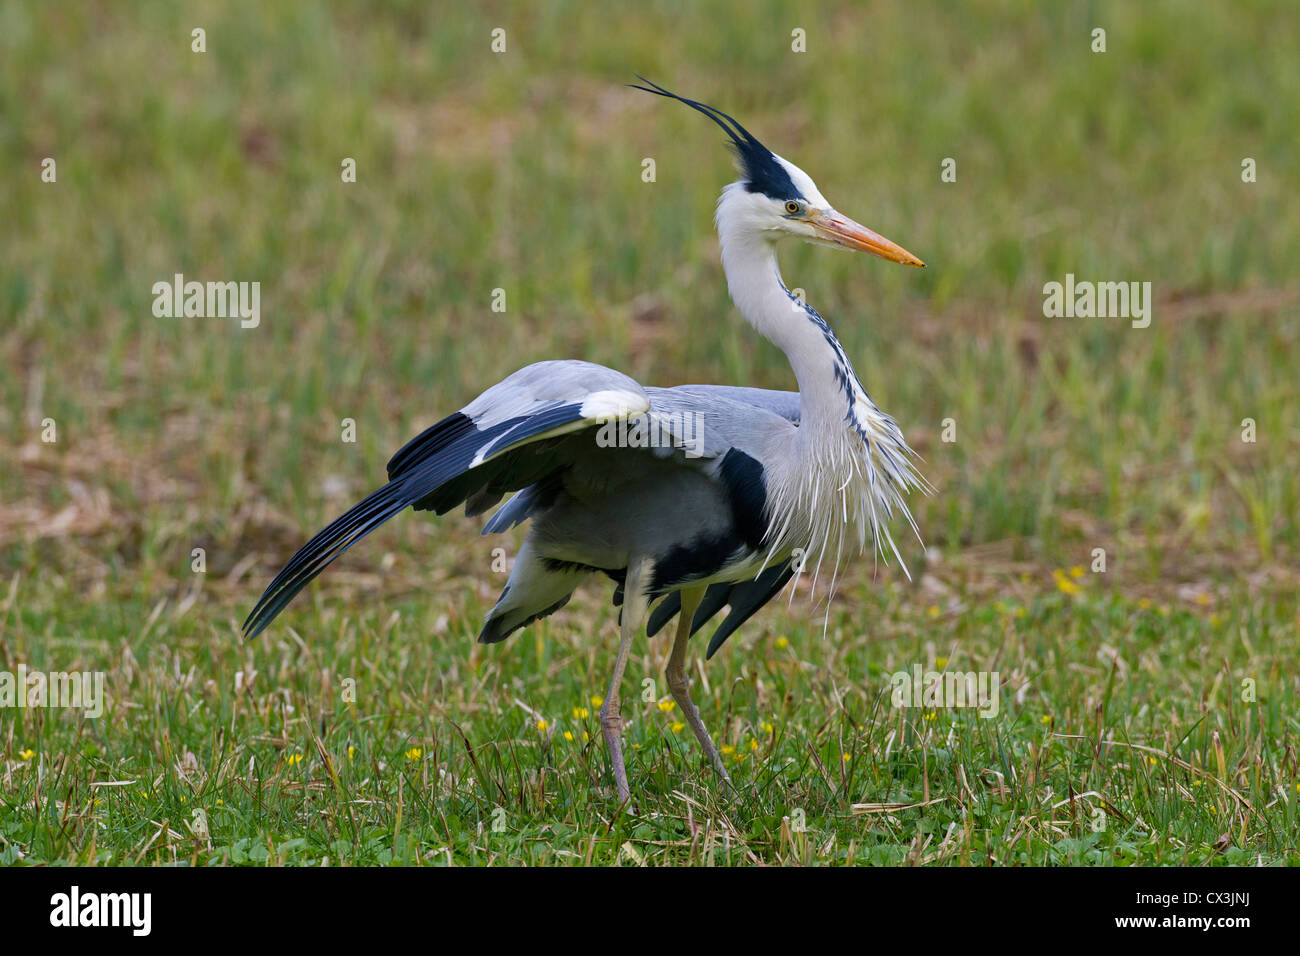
[
  {"x": 611, "y": 720},
  {"x": 680, "y": 686}
]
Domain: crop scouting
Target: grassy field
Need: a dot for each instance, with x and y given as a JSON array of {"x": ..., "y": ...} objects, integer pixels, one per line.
[{"x": 1148, "y": 712}]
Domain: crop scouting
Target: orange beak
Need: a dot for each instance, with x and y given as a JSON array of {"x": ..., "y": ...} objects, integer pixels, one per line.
[{"x": 845, "y": 232}]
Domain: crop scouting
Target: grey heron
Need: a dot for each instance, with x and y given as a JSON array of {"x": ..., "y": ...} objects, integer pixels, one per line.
[{"x": 765, "y": 483}]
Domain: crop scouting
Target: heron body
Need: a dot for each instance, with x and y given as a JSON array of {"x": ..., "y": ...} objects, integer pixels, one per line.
[{"x": 741, "y": 489}]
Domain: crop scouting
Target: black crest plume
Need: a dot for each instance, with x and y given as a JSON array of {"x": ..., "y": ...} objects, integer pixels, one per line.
[{"x": 763, "y": 174}]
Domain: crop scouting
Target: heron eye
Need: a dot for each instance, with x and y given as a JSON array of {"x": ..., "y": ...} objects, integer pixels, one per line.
[{"x": 791, "y": 207}]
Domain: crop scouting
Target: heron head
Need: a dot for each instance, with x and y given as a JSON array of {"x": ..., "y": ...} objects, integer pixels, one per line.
[{"x": 775, "y": 198}]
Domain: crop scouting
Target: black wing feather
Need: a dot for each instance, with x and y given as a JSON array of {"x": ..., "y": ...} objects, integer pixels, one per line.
[{"x": 431, "y": 471}]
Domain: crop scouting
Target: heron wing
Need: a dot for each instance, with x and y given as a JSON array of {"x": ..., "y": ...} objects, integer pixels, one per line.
[
  {"x": 697, "y": 427},
  {"x": 504, "y": 438},
  {"x": 785, "y": 404}
]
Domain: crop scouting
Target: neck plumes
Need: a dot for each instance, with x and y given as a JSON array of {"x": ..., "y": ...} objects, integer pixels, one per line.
[{"x": 850, "y": 466}]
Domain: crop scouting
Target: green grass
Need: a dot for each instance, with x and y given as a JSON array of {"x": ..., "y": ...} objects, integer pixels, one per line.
[
  {"x": 1123, "y": 736},
  {"x": 1106, "y": 749}
]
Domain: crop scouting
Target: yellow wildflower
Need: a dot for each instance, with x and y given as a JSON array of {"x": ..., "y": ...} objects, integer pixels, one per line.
[{"x": 1064, "y": 584}]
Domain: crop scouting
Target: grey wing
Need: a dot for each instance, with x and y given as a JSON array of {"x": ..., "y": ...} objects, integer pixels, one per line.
[
  {"x": 509, "y": 437},
  {"x": 694, "y": 426},
  {"x": 533, "y": 432},
  {"x": 785, "y": 404}
]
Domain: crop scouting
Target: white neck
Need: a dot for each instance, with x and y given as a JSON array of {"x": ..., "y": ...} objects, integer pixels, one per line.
[
  {"x": 754, "y": 281},
  {"x": 850, "y": 466}
]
